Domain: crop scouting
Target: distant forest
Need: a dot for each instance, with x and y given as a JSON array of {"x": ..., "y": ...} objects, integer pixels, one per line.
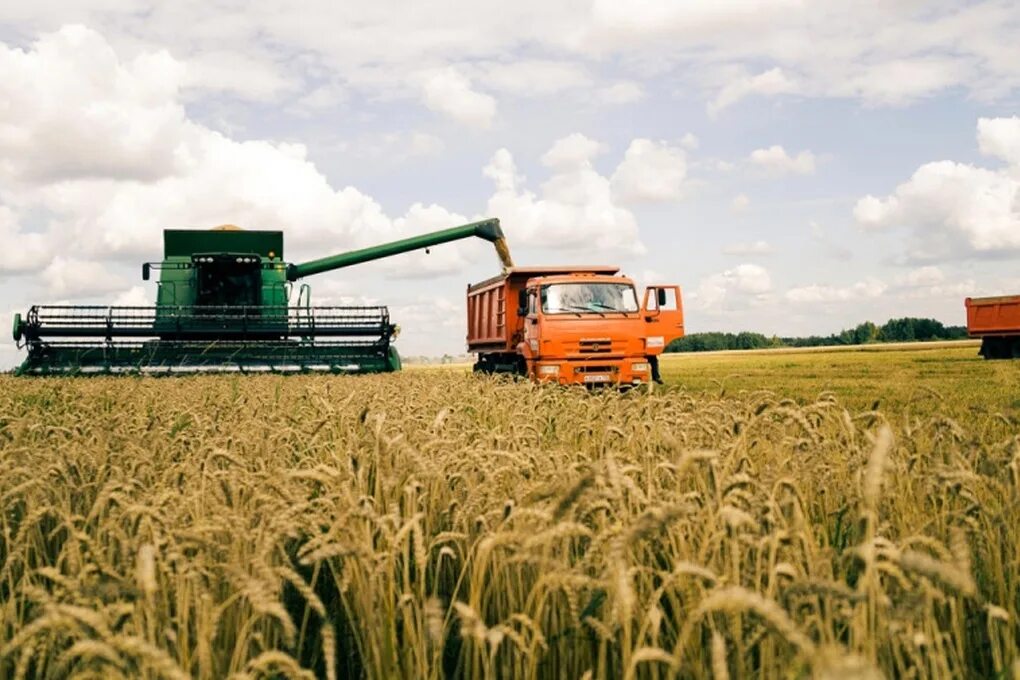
[{"x": 894, "y": 330}]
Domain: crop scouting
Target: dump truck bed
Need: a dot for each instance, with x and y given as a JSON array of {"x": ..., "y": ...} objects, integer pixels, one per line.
[
  {"x": 993, "y": 316},
  {"x": 492, "y": 320}
]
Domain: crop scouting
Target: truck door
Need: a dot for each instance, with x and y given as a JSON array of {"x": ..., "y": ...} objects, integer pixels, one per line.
[{"x": 664, "y": 313}]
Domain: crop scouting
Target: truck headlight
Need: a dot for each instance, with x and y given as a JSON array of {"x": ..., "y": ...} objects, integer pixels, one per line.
[
  {"x": 640, "y": 367},
  {"x": 549, "y": 369},
  {"x": 654, "y": 341}
]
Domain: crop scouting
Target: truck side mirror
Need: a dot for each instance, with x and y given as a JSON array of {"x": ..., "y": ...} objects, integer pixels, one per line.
[
  {"x": 660, "y": 294},
  {"x": 522, "y": 302},
  {"x": 145, "y": 271}
]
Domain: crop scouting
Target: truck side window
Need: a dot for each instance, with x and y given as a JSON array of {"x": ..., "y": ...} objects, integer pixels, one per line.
[
  {"x": 671, "y": 302},
  {"x": 531, "y": 303}
]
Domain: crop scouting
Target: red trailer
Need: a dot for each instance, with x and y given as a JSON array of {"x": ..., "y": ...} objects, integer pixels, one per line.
[{"x": 996, "y": 320}]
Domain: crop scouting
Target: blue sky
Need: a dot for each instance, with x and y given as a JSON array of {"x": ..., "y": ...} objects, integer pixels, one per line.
[{"x": 796, "y": 167}]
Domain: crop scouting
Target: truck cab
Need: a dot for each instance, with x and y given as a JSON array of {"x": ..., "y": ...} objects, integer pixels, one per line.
[{"x": 572, "y": 325}]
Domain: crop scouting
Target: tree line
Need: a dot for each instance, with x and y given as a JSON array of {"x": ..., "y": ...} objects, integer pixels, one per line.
[{"x": 907, "y": 329}]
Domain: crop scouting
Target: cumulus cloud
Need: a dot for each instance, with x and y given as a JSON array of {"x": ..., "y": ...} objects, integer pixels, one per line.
[
  {"x": 741, "y": 284},
  {"x": 73, "y": 278},
  {"x": 957, "y": 209},
  {"x": 73, "y": 110},
  {"x": 879, "y": 53},
  {"x": 650, "y": 171},
  {"x": 1000, "y": 137},
  {"x": 740, "y": 203},
  {"x": 768, "y": 83},
  {"x": 776, "y": 161},
  {"x": 574, "y": 151},
  {"x": 22, "y": 251},
  {"x": 449, "y": 92},
  {"x": 816, "y": 293},
  {"x": 114, "y": 207},
  {"x": 575, "y": 207}
]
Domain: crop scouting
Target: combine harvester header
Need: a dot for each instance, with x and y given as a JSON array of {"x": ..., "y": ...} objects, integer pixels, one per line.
[{"x": 223, "y": 304}]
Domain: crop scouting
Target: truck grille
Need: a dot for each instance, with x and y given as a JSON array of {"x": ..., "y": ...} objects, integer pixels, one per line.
[
  {"x": 595, "y": 345},
  {"x": 596, "y": 369}
]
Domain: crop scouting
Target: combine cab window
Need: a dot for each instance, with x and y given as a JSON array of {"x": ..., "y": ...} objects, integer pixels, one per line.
[
  {"x": 572, "y": 298},
  {"x": 228, "y": 281}
]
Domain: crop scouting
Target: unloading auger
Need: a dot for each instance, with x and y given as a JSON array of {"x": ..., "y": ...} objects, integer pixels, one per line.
[{"x": 223, "y": 305}]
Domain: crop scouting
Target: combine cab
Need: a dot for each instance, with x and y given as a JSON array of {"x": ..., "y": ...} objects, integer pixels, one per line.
[{"x": 223, "y": 305}]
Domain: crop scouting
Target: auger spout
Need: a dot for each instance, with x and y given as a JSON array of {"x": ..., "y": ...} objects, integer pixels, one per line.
[{"x": 486, "y": 229}]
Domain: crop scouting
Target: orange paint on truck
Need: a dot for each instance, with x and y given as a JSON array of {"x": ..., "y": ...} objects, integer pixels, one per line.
[
  {"x": 996, "y": 320},
  {"x": 578, "y": 325}
]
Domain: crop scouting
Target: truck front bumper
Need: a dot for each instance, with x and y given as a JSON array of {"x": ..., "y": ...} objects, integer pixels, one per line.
[{"x": 602, "y": 371}]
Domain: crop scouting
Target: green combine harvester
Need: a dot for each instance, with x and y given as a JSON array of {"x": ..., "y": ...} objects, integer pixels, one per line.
[{"x": 224, "y": 305}]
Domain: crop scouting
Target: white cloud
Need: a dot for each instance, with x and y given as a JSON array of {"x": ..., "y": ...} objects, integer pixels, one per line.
[
  {"x": 73, "y": 278},
  {"x": 740, "y": 203},
  {"x": 898, "y": 82},
  {"x": 776, "y": 161},
  {"x": 322, "y": 98},
  {"x": 572, "y": 152},
  {"x": 816, "y": 293},
  {"x": 575, "y": 208},
  {"x": 650, "y": 171},
  {"x": 689, "y": 141},
  {"x": 449, "y": 92},
  {"x": 248, "y": 76},
  {"x": 742, "y": 284},
  {"x": 955, "y": 209},
  {"x": 1000, "y": 137},
  {"x": 749, "y": 248},
  {"x": 135, "y": 296},
  {"x": 73, "y": 110},
  {"x": 533, "y": 77},
  {"x": 922, "y": 276},
  {"x": 769, "y": 83},
  {"x": 878, "y": 53},
  {"x": 207, "y": 178},
  {"x": 625, "y": 92},
  {"x": 23, "y": 252}
]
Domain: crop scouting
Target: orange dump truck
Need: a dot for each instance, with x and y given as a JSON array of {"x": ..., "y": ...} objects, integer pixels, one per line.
[
  {"x": 571, "y": 325},
  {"x": 996, "y": 320}
]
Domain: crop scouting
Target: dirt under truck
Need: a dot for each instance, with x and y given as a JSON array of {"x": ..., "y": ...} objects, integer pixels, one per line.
[{"x": 572, "y": 325}]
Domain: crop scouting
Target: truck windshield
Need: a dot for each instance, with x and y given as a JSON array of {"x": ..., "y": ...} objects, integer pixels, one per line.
[{"x": 571, "y": 298}]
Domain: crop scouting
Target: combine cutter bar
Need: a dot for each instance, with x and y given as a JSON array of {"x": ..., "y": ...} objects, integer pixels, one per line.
[
  {"x": 165, "y": 340},
  {"x": 174, "y": 356}
]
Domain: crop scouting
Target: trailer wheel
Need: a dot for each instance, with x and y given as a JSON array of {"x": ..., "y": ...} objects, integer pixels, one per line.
[{"x": 1000, "y": 348}]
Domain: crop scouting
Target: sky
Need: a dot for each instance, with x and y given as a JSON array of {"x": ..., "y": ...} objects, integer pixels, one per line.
[{"x": 796, "y": 167}]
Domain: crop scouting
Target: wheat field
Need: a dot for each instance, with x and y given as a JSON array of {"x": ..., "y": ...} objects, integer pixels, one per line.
[{"x": 749, "y": 519}]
